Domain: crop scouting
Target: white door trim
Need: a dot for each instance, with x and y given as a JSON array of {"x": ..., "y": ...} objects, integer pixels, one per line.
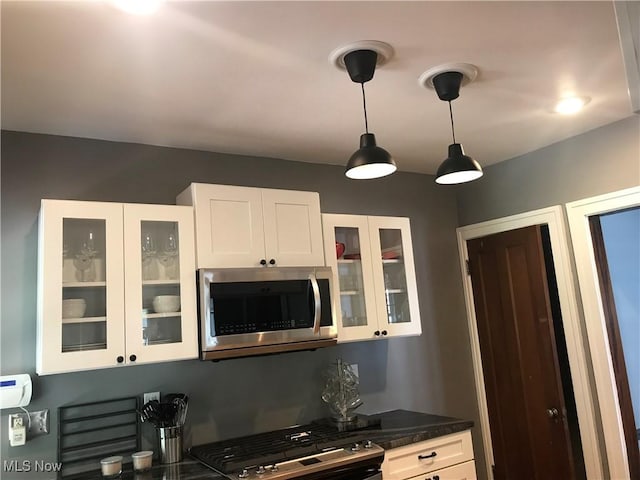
[
  {"x": 554, "y": 218},
  {"x": 578, "y": 213}
]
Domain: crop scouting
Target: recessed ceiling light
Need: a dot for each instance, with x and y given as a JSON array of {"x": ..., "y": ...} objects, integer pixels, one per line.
[
  {"x": 138, "y": 7},
  {"x": 570, "y": 105}
]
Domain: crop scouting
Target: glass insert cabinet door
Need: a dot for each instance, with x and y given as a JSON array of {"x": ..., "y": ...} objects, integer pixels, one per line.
[
  {"x": 348, "y": 253},
  {"x": 160, "y": 295},
  {"x": 80, "y": 283},
  {"x": 394, "y": 275}
]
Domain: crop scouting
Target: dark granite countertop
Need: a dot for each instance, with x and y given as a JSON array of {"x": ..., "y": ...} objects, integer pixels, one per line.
[
  {"x": 187, "y": 469},
  {"x": 392, "y": 429},
  {"x": 402, "y": 427}
]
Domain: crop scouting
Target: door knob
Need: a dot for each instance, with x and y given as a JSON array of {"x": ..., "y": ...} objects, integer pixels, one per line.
[{"x": 553, "y": 413}]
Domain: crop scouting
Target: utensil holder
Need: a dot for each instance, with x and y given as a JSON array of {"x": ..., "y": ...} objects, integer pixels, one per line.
[{"x": 170, "y": 444}]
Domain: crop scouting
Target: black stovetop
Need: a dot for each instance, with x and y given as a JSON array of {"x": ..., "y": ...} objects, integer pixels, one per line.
[{"x": 278, "y": 446}]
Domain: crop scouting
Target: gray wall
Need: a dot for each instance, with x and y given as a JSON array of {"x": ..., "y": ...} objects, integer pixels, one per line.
[
  {"x": 430, "y": 373},
  {"x": 600, "y": 161}
]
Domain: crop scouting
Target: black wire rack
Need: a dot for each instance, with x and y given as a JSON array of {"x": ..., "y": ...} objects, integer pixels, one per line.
[{"x": 89, "y": 432}]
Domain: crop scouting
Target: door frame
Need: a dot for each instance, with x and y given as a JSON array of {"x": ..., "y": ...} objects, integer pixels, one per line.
[
  {"x": 578, "y": 213},
  {"x": 553, "y": 217}
]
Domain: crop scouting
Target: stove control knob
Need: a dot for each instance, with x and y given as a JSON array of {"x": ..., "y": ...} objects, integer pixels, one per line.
[
  {"x": 244, "y": 473},
  {"x": 261, "y": 470},
  {"x": 355, "y": 447},
  {"x": 368, "y": 444},
  {"x": 274, "y": 468}
]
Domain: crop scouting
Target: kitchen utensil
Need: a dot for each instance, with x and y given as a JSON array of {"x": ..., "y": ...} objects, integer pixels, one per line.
[{"x": 340, "y": 247}]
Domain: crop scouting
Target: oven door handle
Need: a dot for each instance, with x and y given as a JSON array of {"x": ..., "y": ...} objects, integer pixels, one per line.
[{"x": 317, "y": 310}]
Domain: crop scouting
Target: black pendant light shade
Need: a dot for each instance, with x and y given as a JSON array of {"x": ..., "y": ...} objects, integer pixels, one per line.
[
  {"x": 370, "y": 160},
  {"x": 458, "y": 167}
]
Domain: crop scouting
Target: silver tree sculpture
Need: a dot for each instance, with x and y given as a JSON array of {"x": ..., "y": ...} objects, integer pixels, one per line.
[{"x": 341, "y": 391}]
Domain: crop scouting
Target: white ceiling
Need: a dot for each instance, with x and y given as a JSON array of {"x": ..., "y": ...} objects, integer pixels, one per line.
[{"x": 254, "y": 77}]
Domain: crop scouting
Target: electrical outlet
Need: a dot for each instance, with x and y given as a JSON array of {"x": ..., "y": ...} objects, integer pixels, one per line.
[
  {"x": 147, "y": 397},
  {"x": 17, "y": 431}
]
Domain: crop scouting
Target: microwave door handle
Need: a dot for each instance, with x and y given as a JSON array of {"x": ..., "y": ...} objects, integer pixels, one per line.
[{"x": 316, "y": 302}]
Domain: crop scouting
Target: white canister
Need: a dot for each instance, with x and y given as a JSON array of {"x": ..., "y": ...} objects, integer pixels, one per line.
[
  {"x": 111, "y": 466},
  {"x": 142, "y": 460}
]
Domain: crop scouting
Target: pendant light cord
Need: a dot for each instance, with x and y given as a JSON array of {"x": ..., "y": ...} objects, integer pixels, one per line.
[
  {"x": 453, "y": 131},
  {"x": 364, "y": 105}
]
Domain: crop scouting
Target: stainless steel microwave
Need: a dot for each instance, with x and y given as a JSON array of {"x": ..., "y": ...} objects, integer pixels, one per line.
[{"x": 255, "y": 311}]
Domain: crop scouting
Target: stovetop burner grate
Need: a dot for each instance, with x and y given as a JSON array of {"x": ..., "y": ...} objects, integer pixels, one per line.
[{"x": 272, "y": 447}]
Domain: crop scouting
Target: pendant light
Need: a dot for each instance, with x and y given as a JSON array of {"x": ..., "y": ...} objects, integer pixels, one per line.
[
  {"x": 360, "y": 59},
  {"x": 446, "y": 80}
]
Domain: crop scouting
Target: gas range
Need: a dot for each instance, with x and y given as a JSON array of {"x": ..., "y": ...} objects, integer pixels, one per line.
[{"x": 312, "y": 452}]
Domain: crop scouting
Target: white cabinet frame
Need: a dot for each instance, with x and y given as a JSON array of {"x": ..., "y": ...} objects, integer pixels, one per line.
[
  {"x": 49, "y": 356},
  {"x": 373, "y": 275},
  {"x": 576, "y": 348},
  {"x": 134, "y": 214},
  {"x": 578, "y": 213}
]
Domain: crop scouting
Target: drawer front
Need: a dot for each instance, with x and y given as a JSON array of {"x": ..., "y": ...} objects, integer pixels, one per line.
[
  {"x": 464, "y": 471},
  {"x": 428, "y": 456}
]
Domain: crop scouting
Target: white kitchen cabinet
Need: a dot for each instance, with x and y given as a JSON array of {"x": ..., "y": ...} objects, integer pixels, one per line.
[
  {"x": 250, "y": 227},
  {"x": 463, "y": 471},
  {"x": 449, "y": 457},
  {"x": 100, "y": 268},
  {"x": 374, "y": 277}
]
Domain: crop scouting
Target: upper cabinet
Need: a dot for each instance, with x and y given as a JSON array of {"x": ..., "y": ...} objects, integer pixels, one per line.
[
  {"x": 375, "y": 281},
  {"x": 116, "y": 285},
  {"x": 250, "y": 227}
]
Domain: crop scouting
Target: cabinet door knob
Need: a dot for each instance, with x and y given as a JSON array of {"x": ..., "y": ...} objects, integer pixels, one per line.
[
  {"x": 263, "y": 262},
  {"x": 436, "y": 477},
  {"x": 384, "y": 332},
  {"x": 120, "y": 359},
  {"x": 132, "y": 358},
  {"x": 377, "y": 333},
  {"x": 272, "y": 261}
]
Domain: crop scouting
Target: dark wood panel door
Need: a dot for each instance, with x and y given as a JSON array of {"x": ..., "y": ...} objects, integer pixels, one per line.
[{"x": 527, "y": 414}]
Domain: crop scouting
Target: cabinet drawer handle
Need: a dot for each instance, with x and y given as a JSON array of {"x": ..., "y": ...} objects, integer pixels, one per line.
[
  {"x": 377, "y": 333},
  {"x": 263, "y": 262},
  {"x": 272, "y": 261},
  {"x": 120, "y": 359},
  {"x": 133, "y": 358},
  {"x": 384, "y": 332},
  {"x": 424, "y": 457}
]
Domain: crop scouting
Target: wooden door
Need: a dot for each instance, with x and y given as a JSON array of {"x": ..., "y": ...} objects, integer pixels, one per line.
[{"x": 519, "y": 357}]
